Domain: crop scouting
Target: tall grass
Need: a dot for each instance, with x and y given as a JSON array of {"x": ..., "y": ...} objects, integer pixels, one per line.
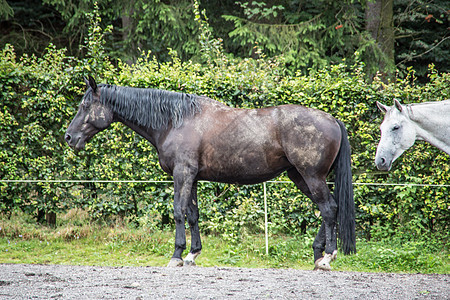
[{"x": 77, "y": 240}]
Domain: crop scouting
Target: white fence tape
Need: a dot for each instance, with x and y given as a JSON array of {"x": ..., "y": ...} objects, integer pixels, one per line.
[
  {"x": 266, "y": 222},
  {"x": 170, "y": 181}
]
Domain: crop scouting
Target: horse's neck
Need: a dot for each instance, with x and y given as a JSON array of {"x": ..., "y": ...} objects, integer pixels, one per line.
[
  {"x": 148, "y": 133},
  {"x": 433, "y": 123}
]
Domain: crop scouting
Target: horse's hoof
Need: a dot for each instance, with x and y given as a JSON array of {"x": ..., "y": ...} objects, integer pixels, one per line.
[
  {"x": 323, "y": 263},
  {"x": 189, "y": 263},
  {"x": 190, "y": 259},
  {"x": 334, "y": 255},
  {"x": 175, "y": 262}
]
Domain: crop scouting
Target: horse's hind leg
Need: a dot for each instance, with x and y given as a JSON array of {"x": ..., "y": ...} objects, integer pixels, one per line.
[
  {"x": 192, "y": 215},
  {"x": 326, "y": 240},
  {"x": 328, "y": 210},
  {"x": 319, "y": 243}
]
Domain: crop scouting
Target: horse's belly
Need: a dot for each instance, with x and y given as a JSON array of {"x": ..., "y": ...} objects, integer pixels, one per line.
[
  {"x": 240, "y": 178},
  {"x": 248, "y": 168}
]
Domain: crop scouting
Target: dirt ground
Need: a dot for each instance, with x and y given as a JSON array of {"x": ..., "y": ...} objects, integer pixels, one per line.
[{"x": 88, "y": 282}]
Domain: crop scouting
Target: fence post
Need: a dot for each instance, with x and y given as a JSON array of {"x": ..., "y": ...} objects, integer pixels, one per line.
[{"x": 265, "y": 219}]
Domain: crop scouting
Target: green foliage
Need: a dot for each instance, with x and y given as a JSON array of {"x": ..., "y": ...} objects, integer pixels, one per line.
[
  {"x": 399, "y": 253},
  {"x": 77, "y": 240},
  {"x": 5, "y": 10},
  {"x": 139, "y": 25},
  {"x": 422, "y": 34},
  {"x": 170, "y": 25},
  {"x": 307, "y": 34},
  {"x": 40, "y": 96},
  {"x": 35, "y": 92},
  {"x": 31, "y": 26},
  {"x": 310, "y": 34}
]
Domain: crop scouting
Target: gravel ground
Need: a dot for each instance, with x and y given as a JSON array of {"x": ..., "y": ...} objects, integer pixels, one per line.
[{"x": 87, "y": 282}]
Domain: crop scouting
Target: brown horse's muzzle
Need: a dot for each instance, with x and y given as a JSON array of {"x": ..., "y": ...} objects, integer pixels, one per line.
[{"x": 75, "y": 140}]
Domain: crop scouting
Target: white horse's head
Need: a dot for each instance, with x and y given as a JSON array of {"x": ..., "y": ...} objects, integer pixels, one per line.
[{"x": 398, "y": 133}]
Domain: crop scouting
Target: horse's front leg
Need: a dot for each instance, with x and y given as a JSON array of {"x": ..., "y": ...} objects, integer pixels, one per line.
[
  {"x": 183, "y": 178},
  {"x": 196, "y": 243}
]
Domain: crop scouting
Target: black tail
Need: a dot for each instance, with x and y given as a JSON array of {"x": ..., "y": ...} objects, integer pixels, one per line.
[{"x": 343, "y": 194}]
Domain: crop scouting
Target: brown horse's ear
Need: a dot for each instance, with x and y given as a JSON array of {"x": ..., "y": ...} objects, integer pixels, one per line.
[
  {"x": 382, "y": 107},
  {"x": 398, "y": 105},
  {"x": 92, "y": 84}
]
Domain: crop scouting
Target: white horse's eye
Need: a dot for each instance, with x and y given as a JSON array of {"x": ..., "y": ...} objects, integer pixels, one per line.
[{"x": 396, "y": 127}]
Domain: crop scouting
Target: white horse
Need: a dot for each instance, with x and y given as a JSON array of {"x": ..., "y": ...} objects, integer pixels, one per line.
[{"x": 404, "y": 124}]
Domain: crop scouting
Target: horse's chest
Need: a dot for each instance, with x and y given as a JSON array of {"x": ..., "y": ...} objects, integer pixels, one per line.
[{"x": 178, "y": 150}]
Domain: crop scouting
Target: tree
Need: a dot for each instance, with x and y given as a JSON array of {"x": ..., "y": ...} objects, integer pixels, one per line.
[
  {"x": 380, "y": 26},
  {"x": 31, "y": 26},
  {"x": 421, "y": 35},
  {"x": 5, "y": 10},
  {"x": 307, "y": 34}
]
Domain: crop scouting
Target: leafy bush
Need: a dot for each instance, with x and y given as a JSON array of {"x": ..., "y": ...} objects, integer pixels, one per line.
[{"x": 40, "y": 96}]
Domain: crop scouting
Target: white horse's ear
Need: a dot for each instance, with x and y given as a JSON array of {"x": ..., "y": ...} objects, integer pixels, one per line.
[
  {"x": 398, "y": 105},
  {"x": 382, "y": 107}
]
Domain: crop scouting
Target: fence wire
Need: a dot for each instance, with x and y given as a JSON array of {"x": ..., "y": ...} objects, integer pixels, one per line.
[
  {"x": 266, "y": 221},
  {"x": 171, "y": 181}
]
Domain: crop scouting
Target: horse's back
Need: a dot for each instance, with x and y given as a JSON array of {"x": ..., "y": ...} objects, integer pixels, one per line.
[
  {"x": 254, "y": 145},
  {"x": 239, "y": 145}
]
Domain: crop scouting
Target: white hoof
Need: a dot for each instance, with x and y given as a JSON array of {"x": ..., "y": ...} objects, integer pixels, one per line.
[
  {"x": 324, "y": 263},
  {"x": 189, "y": 263},
  {"x": 190, "y": 259},
  {"x": 175, "y": 262},
  {"x": 334, "y": 255}
]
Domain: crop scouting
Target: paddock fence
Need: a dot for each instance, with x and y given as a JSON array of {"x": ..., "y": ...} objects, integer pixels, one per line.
[{"x": 264, "y": 187}]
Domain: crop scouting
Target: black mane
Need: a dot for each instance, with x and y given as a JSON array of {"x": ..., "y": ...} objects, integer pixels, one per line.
[{"x": 149, "y": 107}]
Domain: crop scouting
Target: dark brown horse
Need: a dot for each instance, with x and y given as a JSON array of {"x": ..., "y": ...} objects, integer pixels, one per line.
[{"x": 198, "y": 138}]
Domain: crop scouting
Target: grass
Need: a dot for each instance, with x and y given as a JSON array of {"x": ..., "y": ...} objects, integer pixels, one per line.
[{"x": 78, "y": 242}]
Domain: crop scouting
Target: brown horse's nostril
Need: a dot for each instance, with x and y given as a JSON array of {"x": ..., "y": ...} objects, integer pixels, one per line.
[{"x": 68, "y": 137}]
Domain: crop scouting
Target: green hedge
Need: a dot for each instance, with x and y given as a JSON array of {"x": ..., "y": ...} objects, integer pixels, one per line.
[{"x": 39, "y": 97}]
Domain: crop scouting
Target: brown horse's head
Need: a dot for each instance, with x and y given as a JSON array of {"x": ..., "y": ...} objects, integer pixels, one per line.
[{"x": 91, "y": 118}]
